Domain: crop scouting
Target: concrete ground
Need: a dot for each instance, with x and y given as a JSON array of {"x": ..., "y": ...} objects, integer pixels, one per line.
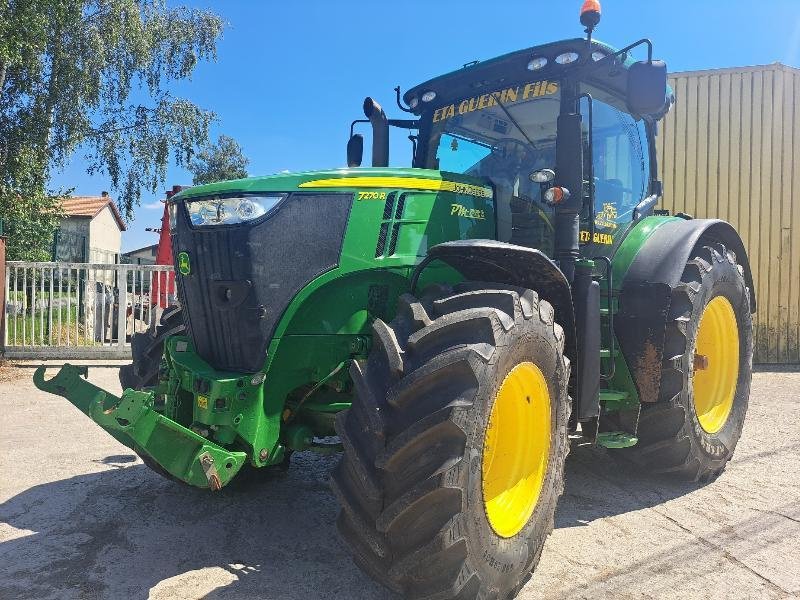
[{"x": 81, "y": 517}]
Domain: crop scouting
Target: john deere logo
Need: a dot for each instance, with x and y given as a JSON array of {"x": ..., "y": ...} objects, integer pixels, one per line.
[{"x": 183, "y": 263}]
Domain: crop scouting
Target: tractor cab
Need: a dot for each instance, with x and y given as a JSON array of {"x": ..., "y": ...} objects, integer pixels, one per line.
[{"x": 499, "y": 121}]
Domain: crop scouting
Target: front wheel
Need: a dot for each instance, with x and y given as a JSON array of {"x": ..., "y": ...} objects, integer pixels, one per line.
[{"x": 455, "y": 445}]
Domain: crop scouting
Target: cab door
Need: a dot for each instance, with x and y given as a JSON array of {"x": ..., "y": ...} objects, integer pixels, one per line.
[{"x": 620, "y": 167}]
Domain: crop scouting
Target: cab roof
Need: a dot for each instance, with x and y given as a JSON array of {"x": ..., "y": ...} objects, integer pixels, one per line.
[{"x": 493, "y": 74}]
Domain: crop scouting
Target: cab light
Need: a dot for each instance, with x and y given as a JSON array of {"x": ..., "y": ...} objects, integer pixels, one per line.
[
  {"x": 540, "y": 62},
  {"x": 567, "y": 58},
  {"x": 556, "y": 195},
  {"x": 429, "y": 96},
  {"x": 597, "y": 56},
  {"x": 413, "y": 103},
  {"x": 543, "y": 176}
]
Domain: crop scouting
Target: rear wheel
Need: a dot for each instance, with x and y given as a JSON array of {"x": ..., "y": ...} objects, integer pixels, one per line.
[
  {"x": 705, "y": 383},
  {"x": 455, "y": 446}
]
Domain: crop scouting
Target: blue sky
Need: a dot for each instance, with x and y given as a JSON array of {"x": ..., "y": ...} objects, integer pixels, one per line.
[{"x": 292, "y": 75}]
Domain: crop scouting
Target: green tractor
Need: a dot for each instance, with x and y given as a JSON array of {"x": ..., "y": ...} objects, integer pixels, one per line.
[{"x": 451, "y": 326}]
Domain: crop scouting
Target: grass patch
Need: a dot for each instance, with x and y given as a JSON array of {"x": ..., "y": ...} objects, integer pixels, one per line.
[{"x": 37, "y": 329}]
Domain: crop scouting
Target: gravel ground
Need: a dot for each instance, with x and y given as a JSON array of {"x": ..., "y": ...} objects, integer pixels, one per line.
[{"x": 81, "y": 517}]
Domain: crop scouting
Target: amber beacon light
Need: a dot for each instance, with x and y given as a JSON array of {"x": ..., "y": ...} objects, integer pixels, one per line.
[{"x": 590, "y": 14}]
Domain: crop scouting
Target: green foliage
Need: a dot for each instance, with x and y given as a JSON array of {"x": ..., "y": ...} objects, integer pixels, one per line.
[
  {"x": 93, "y": 76},
  {"x": 29, "y": 222},
  {"x": 219, "y": 162},
  {"x": 30, "y": 216}
]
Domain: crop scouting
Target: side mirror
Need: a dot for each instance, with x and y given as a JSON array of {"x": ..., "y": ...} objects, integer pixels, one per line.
[
  {"x": 355, "y": 150},
  {"x": 647, "y": 87}
]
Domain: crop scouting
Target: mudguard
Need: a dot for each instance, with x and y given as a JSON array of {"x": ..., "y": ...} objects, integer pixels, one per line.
[
  {"x": 646, "y": 293},
  {"x": 499, "y": 262}
]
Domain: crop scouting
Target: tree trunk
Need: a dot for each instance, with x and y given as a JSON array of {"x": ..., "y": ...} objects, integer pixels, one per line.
[
  {"x": 3, "y": 70},
  {"x": 51, "y": 97}
]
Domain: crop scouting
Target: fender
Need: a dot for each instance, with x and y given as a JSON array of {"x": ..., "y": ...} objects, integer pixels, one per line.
[
  {"x": 646, "y": 293},
  {"x": 499, "y": 262}
]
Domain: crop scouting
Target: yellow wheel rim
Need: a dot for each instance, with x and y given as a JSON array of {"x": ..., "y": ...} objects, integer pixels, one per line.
[
  {"x": 716, "y": 364},
  {"x": 516, "y": 448}
]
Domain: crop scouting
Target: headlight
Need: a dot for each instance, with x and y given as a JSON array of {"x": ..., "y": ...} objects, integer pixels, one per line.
[
  {"x": 230, "y": 211},
  {"x": 543, "y": 176},
  {"x": 429, "y": 96},
  {"x": 540, "y": 62},
  {"x": 173, "y": 215},
  {"x": 567, "y": 58}
]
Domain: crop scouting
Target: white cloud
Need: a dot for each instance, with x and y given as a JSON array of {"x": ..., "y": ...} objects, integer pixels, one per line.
[{"x": 153, "y": 206}]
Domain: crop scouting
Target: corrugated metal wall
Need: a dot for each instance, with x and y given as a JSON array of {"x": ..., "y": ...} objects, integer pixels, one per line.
[{"x": 730, "y": 148}]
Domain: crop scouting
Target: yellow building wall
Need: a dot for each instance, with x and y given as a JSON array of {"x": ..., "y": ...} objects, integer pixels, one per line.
[{"x": 730, "y": 148}]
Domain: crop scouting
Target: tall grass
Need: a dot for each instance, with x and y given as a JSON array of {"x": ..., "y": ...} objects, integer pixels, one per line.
[{"x": 37, "y": 329}]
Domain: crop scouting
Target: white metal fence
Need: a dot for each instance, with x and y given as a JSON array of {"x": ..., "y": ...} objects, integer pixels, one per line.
[{"x": 81, "y": 310}]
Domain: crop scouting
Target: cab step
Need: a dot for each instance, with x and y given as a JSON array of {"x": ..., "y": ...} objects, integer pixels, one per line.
[
  {"x": 613, "y": 396},
  {"x": 616, "y": 439}
]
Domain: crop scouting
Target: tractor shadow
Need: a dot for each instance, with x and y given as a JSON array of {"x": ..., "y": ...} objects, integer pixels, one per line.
[
  {"x": 124, "y": 531},
  {"x": 599, "y": 486}
]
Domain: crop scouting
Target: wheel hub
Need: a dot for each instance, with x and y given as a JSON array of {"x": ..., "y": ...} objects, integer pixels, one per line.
[
  {"x": 716, "y": 364},
  {"x": 516, "y": 449}
]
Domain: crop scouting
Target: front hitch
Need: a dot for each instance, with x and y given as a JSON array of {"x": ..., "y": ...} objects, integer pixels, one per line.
[{"x": 134, "y": 422}]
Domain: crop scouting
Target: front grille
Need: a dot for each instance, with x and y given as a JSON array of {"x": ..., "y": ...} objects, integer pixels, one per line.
[{"x": 244, "y": 276}]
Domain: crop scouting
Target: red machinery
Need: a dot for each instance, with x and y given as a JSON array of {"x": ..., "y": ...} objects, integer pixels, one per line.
[{"x": 164, "y": 284}]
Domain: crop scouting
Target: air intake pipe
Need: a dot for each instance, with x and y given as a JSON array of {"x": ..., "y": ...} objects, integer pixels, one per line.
[
  {"x": 380, "y": 132},
  {"x": 569, "y": 174}
]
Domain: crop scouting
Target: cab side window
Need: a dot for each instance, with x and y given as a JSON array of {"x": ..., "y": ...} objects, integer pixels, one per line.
[{"x": 620, "y": 160}]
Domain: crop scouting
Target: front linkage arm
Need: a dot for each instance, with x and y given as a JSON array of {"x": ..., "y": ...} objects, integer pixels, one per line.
[{"x": 133, "y": 422}]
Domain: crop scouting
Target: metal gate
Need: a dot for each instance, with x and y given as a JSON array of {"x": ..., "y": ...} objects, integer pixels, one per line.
[{"x": 81, "y": 310}]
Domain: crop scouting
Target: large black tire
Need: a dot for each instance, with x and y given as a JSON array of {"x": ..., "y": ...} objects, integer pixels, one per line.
[
  {"x": 410, "y": 480},
  {"x": 147, "y": 350},
  {"x": 671, "y": 438}
]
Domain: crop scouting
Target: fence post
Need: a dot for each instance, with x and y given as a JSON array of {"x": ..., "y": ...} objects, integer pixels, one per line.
[
  {"x": 2, "y": 291},
  {"x": 122, "y": 307}
]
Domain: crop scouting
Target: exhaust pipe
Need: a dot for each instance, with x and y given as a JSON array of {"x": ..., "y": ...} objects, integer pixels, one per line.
[{"x": 380, "y": 132}]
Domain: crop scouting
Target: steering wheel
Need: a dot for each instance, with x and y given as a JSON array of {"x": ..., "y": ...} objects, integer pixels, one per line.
[{"x": 503, "y": 146}]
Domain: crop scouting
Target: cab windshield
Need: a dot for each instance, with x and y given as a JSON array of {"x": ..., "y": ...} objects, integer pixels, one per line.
[
  {"x": 507, "y": 135},
  {"x": 504, "y": 136}
]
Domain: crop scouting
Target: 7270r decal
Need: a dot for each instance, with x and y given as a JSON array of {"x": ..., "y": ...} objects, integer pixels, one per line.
[{"x": 372, "y": 195}]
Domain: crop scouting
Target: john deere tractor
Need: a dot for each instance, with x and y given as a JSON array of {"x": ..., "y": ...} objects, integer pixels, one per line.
[{"x": 450, "y": 326}]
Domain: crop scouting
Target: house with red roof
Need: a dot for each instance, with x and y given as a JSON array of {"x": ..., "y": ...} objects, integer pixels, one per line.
[{"x": 91, "y": 230}]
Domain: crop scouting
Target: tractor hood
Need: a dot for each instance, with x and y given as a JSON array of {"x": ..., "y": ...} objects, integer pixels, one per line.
[
  {"x": 364, "y": 177},
  {"x": 235, "y": 278}
]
